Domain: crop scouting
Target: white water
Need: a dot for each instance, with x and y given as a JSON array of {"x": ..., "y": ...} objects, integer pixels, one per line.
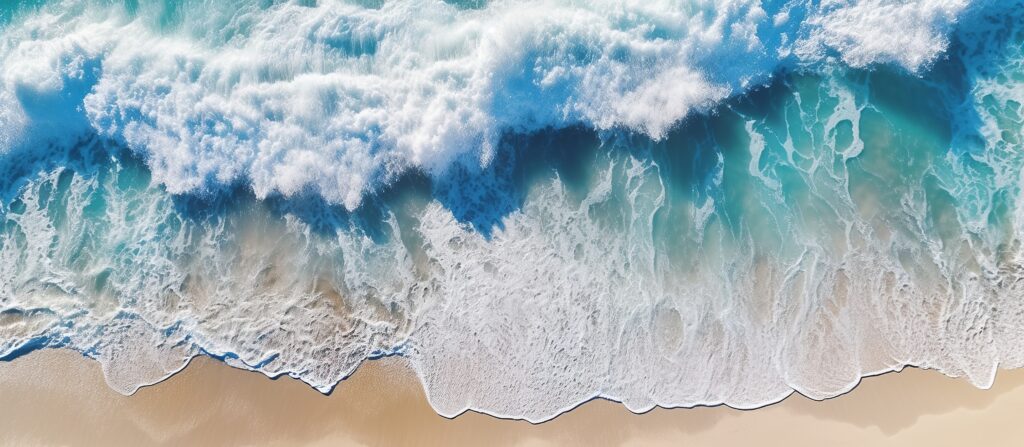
[
  {"x": 826, "y": 227},
  {"x": 339, "y": 98}
]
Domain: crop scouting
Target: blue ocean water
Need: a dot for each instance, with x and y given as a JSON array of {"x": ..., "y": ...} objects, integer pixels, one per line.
[{"x": 668, "y": 203}]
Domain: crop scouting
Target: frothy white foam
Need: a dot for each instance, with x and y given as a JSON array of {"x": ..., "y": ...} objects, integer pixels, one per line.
[
  {"x": 907, "y": 33},
  {"x": 338, "y": 98}
]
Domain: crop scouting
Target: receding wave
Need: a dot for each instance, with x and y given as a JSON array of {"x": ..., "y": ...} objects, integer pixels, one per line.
[{"x": 668, "y": 203}]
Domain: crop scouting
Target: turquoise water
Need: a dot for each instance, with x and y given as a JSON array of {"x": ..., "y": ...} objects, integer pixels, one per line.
[{"x": 535, "y": 206}]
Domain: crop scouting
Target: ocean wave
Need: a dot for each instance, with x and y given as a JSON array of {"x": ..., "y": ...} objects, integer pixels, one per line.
[
  {"x": 340, "y": 98},
  {"x": 518, "y": 197}
]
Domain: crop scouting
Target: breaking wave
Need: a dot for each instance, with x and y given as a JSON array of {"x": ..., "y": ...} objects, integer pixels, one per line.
[{"x": 668, "y": 203}]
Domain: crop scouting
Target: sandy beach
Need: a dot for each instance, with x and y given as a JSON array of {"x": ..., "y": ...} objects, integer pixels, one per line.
[{"x": 56, "y": 397}]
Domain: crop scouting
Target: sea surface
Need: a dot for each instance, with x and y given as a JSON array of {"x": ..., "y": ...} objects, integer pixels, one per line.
[{"x": 660, "y": 202}]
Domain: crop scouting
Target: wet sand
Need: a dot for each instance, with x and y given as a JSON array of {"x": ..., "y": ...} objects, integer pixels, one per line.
[{"x": 59, "y": 397}]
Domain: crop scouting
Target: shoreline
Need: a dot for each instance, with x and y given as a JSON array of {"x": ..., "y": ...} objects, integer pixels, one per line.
[
  {"x": 410, "y": 370},
  {"x": 212, "y": 403}
]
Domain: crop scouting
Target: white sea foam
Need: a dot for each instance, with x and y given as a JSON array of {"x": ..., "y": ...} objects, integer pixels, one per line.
[
  {"x": 339, "y": 98},
  {"x": 906, "y": 33}
]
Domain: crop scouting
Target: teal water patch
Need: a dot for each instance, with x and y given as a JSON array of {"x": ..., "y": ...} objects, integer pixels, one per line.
[{"x": 9, "y": 11}]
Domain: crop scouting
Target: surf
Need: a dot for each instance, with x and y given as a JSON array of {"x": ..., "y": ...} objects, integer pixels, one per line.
[{"x": 667, "y": 203}]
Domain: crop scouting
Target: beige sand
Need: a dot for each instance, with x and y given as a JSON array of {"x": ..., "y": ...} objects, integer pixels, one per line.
[{"x": 59, "y": 397}]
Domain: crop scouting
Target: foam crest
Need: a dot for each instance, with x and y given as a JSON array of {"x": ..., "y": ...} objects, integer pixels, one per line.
[
  {"x": 910, "y": 34},
  {"x": 340, "y": 99}
]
